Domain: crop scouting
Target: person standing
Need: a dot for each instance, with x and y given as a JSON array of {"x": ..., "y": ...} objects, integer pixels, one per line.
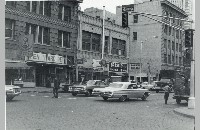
[
  {"x": 166, "y": 93},
  {"x": 56, "y": 87}
]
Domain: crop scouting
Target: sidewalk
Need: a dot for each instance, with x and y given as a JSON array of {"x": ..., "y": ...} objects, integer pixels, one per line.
[
  {"x": 36, "y": 90},
  {"x": 185, "y": 111}
]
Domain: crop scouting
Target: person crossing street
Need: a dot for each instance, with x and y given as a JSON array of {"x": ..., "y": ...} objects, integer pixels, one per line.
[
  {"x": 56, "y": 87},
  {"x": 166, "y": 93}
]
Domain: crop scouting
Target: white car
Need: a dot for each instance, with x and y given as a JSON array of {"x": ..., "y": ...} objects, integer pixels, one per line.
[
  {"x": 122, "y": 91},
  {"x": 146, "y": 85},
  {"x": 12, "y": 91}
]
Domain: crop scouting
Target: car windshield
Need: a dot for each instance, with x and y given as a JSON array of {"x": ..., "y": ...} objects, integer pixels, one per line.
[
  {"x": 90, "y": 82},
  {"x": 165, "y": 80},
  {"x": 115, "y": 85}
]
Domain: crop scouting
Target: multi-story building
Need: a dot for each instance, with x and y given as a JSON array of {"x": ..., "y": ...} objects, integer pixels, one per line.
[
  {"x": 89, "y": 54},
  {"x": 40, "y": 40},
  {"x": 155, "y": 42}
]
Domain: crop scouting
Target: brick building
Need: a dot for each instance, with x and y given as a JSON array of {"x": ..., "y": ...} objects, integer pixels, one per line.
[
  {"x": 90, "y": 48},
  {"x": 162, "y": 44},
  {"x": 40, "y": 41}
]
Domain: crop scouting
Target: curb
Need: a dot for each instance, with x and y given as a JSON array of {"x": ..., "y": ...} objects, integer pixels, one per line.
[{"x": 183, "y": 114}]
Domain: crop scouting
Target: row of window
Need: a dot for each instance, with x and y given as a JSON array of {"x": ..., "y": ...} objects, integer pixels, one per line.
[
  {"x": 44, "y": 8},
  {"x": 171, "y": 31},
  {"x": 172, "y": 46},
  {"x": 175, "y": 21},
  {"x": 92, "y": 42},
  {"x": 40, "y": 34},
  {"x": 177, "y": 61}
]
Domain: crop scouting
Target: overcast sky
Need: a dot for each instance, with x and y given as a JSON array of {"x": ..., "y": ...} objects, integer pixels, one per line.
[{"x": 110, "y": 5}]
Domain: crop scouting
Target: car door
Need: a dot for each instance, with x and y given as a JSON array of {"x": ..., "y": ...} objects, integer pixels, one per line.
[
  {"x": 102, "y": 85},
  {"x": 131, "y": 92}
]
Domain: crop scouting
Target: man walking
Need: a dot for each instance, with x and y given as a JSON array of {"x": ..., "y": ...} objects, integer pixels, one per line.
[
  {"x": 167, "y": 90},
  {"x": 56, "y": 87}
]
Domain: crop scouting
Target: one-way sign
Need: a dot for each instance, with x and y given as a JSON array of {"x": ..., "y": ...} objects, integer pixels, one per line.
[{"x": 126, "y": 8}]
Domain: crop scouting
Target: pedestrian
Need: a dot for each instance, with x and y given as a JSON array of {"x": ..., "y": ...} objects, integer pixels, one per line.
[
  {"x": 56, "y": 87},
  {"x": 166, "y": 93},
  {"x": 48, "y": 84}
]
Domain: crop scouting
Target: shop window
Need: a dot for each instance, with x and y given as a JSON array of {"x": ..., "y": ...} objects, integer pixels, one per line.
[
  {"x": 9, "y": 28},
  {"x": 86, "y": 36},
  {"x": 70, "y": 60},
  {"x": 134, "y": 35},
  {"x": 169, "y": 59},
  {"x": 96, "y": 42},
  {"x": 64, "y": 13},
  {"x": 135, "y": 18},
  {"x": 11, "y": 3},
  {"x": 44, "y": 35},
  {"x": 45, "y": 8},
  {"x": 31, "y": 6},
  {"x": 118, "y": 47},
  {"x": 31, "y": 29},
  {"x": 64, "y": 39}
]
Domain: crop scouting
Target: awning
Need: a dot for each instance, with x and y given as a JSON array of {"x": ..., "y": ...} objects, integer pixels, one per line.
[{"x": 16, "y": 65}]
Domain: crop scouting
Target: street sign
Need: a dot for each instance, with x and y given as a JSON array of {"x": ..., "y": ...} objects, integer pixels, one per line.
[{"x": 127, "y": 8}]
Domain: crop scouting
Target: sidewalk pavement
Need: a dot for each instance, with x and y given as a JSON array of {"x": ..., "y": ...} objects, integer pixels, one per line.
[{"x": 184, "y": 111}]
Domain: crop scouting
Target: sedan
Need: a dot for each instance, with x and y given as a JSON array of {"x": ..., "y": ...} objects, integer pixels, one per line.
[
  {"x": 122, "y": 91},
  {"x": 12, "y": 91},
  {"x": 86, "y": 88},
  {"x": 146, "y": 85}
]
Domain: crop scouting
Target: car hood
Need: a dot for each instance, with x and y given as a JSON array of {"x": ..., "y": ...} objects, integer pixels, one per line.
[
  {"x": 78, "y": 86},
  {"x": 110, "y": 89},
  {"x": 11, "y": 87}
]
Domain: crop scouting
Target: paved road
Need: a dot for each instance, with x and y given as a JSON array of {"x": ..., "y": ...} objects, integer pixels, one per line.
[{"x": 38, "y": 111}]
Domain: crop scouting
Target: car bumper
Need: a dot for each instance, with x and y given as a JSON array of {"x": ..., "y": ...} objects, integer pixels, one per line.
[
  {"x": 10, "y": 95},
  {"x": 78, "y": 91}
]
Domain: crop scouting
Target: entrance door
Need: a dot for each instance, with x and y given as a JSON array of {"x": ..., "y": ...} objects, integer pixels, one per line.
[{"x": 41, "y": 76}]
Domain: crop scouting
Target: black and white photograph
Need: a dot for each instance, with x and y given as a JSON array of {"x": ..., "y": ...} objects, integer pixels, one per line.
[{"x": 100, "y": 65}]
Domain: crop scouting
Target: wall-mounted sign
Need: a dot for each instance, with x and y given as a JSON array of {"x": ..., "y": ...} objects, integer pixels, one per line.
[
  {"x": 26, "y": 44},
  {"x": 117, "y": 67},
  {"x": 98, "y": 69},
  {"x": 95, "y": 63},
  {"x": 39, "y": 57}
]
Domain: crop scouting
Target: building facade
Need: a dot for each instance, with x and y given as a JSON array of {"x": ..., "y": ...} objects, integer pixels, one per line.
[
  {"x": 156, "y": 42},
  {"x": 116, "y": 48},
  {"x": 40, "y": 41}
]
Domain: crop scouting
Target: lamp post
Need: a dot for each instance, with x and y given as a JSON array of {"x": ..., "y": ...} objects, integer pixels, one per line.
[{"x": 141, "y": 61}]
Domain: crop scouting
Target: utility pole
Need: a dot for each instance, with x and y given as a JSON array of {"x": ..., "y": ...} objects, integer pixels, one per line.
[
  {"x": 141, "y": 61},
  {"x": 191, "y": 101}
]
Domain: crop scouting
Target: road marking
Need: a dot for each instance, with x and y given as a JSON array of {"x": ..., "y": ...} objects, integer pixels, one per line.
[{"x": 71, "y": 98}]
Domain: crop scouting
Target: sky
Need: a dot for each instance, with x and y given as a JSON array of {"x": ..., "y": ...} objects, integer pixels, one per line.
[{"x": 110, "y": 5}]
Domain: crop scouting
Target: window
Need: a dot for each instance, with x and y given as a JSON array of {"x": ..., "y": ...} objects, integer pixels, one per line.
[
  {"x": 134, "y": 35},
  {"x": 106, "y": 45},
  {"x": 135, "y": 18},
  {"x": 64, "y": 13},
  {"x": 70, "y": 60},
  {"x": 180, "y": 63},
  {"x": 86, "y": 36},
  {"x": 31, "y": 6},
  {"x": 173, "y": 45},
  {"x": 44, "y": 35},
  {"x": 173, "y": 32},
  {"x": 180, "y": 48},
  {"x": 166, "y": 14},
  {"x": 96, "y": 42},
  {"x": 170, "y": 30},
  {"x": 173, "y": 59},
  {"x": 45, "y": 8},
  {"x": 176, "y": 60},
  {"x": 165, "y": 29},
  {"x": 9, "y": 28},
  {"x": 169, "y": 59},
  {"x": 11, "y": 3},
  {"x": 177, "y": 34},
  {"x": 118, "y": 47},
  {"x": 31, "y": 29},
  {"x": 64, "y": 39},
  {"x": 169, "y": 45},
  {"x": 177, "y": 47},
  {"x": 165, "y": 58}
]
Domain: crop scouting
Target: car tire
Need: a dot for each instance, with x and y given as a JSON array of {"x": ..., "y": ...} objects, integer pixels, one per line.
[
  {"x": 178, "y": 101},
  {"x": 144, "y": 97},
  {"x": 157, "y": 91},
  {"x": 122, "y": 98},
  {"x": 74, "y": 94},
  {"x": 89, "y": 93},
  {"x": 105, "y": 98}
]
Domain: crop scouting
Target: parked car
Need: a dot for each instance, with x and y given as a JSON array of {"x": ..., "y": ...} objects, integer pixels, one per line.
[
  {"x": 159, "y": 85},
  {"x": 86, "y": 88},
  {"x": 12, "y": 91},
  {"x": 122, "y": 91},
  {"x": 146, "y": 85}
]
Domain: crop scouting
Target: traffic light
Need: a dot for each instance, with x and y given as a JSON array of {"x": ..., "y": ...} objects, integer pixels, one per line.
[
  {"x": 125, "y": 19},
  {"x": 189, "y": 38}
]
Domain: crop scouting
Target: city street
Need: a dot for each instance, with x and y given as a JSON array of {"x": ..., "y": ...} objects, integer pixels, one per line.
[{"x": 39, "y": 111}]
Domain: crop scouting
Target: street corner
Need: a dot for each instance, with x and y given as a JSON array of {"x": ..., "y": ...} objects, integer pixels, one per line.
[{"x": 184, "y": 111}]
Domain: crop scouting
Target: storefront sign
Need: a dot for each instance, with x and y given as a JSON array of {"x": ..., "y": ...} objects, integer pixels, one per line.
[
  {"x": 95, "y": 63},
  {"x": 55, "y": 59},
  {"x": 124, "y": 67},
  {"x": 117, "y": 67},
  {"x": 38, "y": 57},
  {"x": 98, "y": 69},
  {"x": 134, "y": 66}
]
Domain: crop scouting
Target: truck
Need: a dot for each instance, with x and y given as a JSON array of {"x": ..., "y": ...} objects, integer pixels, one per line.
[
  {"x": 181, "y": 85},
  {"x": 166, "y": 78}
]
